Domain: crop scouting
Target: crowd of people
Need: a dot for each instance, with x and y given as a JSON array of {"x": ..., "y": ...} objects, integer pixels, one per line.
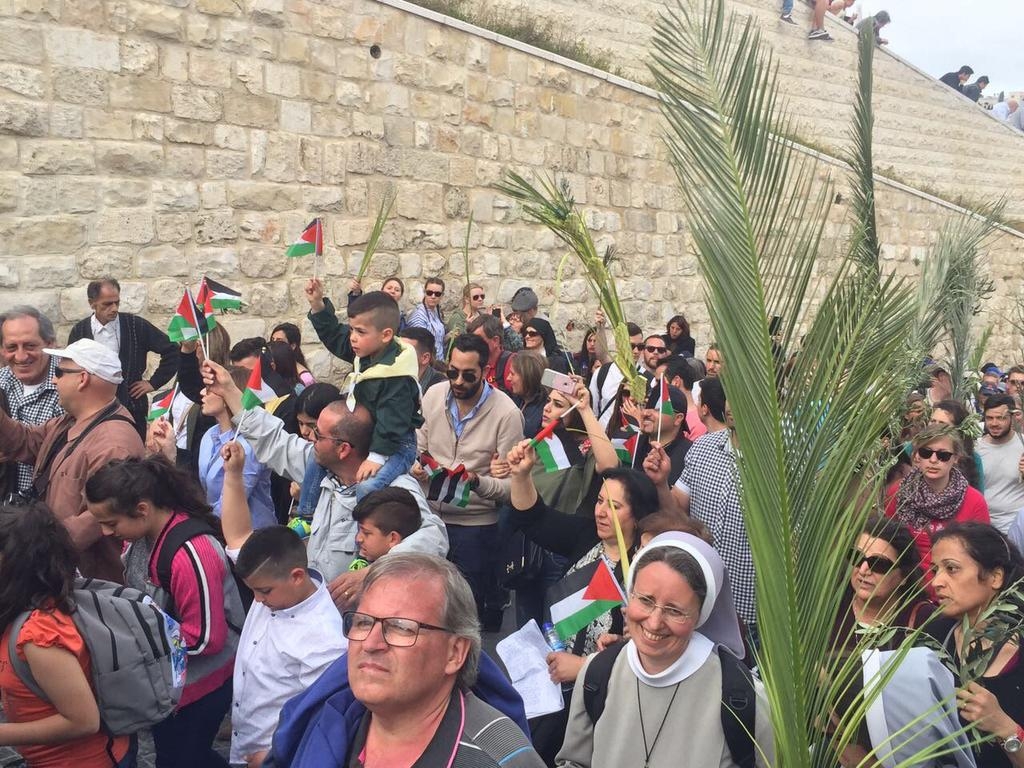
[
  {"x": 470, "y": 462},
  {"x": 849, "y": 11}
]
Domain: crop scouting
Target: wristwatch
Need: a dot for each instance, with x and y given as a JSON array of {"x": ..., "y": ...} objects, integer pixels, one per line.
[{"x": 1014, "y": 743}]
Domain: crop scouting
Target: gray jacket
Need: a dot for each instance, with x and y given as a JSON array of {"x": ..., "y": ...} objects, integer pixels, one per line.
[{"x": 332, "y": 542}]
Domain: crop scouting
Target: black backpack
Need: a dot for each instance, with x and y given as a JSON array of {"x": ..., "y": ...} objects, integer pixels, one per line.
[{"x": 738, "y": 700}]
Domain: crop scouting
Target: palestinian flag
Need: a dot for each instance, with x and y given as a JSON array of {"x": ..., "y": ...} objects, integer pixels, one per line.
[
  {"x": 203, "y": 302},
  {"x": 557, "y": 451},
  {"x": 257, "y": 391},
  {"x": 625, "y": 446},
  {"x": 161, "y": 404},
  {"x": 189, "y": 322},
  {"x": 310, "y": 241},
  {"x": 662, "y": 401},
  {"x": 583, "y": 596},
  {"x": 214, "y": 295},
  {"x": 431, "y": 467},
  {"x": 450, "y": 486}
]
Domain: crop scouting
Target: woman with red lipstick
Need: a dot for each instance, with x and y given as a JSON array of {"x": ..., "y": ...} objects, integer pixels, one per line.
[
  {"x": 936, "y": 493},
  {"x": 974, "y": 565}
]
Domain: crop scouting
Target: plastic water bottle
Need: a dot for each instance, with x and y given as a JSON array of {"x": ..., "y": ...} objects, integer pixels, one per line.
[{"x": 554, "y": 641}]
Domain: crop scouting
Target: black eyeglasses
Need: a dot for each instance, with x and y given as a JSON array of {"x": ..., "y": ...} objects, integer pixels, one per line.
[
  {"x": 317, "y": 436},
  {"x": 659, "y": 350},
  {"x": 398, "y": 632},
  {"x": 875, "y": 563},
  {"x": 467, "y": 376},
  {"x": 58, "y": 372},
  {"x": 927, "y": 453},
  {"x": 481, "y": 297},
  {"x": 434, "y": 293},
  {"x": 1016, "y": 382},
  {"x": 531, "y": 334}
]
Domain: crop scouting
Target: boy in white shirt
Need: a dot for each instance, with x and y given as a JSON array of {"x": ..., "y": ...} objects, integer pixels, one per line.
[{"x": 293, "y": 631}]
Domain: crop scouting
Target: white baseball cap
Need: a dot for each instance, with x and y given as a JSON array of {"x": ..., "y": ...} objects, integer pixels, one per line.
[{"x": 93, "y": 357}]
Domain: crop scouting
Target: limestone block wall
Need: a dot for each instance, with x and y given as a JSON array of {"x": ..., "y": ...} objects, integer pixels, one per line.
[
  {"x": 156, "y": 142},
  {"x": 926, "y": 135}
]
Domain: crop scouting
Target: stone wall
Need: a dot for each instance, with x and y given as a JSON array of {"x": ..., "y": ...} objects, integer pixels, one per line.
[
  {"x": 156, "y": 142},
  {"x": 926, "y": 134}
]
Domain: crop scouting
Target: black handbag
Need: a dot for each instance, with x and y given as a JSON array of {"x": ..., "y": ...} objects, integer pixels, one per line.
[{"x": 521, "y": 561}]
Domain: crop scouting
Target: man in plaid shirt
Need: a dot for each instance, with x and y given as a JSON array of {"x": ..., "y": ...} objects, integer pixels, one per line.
[{"x": 27, "y": 381}]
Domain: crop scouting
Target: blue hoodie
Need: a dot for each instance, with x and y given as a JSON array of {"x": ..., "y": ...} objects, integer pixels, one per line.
[{"x": 317, "y": 726}]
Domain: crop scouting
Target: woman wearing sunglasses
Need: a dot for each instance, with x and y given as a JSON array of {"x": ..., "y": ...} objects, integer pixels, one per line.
[
  {"x": 427, "y": 314},
  {"x": 539, "y": 336},
  {"x": 473, "y": 297},
  {"x": 935, "y": 493},
  {"x": 885, "y": 584}
]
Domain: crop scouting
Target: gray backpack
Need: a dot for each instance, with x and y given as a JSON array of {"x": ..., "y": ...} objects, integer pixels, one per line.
[{"x": 138, "y": 658}]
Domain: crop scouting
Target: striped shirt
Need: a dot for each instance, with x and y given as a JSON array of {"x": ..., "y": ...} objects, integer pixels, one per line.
[{"x": 34, "y": 407}]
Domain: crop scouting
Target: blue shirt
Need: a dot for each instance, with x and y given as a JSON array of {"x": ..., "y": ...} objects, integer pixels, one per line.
[
  {"x": 453, "y": 409},
  {"x": 256, "y": 477}
]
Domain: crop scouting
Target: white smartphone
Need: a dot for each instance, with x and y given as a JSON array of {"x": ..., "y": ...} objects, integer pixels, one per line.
[{"x": 559, "y": 382}]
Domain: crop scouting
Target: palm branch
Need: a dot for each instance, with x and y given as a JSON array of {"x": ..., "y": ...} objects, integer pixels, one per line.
[
  {"x": 808, "y": 451},
  {"x": 551, "y": 203},
  {"x": 378, "y": 228}
]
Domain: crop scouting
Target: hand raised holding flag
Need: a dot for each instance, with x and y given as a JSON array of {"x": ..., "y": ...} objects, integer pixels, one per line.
[
  {"x": 219, "y": 382},
  {"x": 315, "y": 295}
]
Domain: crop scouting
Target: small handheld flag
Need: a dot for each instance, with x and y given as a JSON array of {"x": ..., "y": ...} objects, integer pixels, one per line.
[
  {"x": 161, "y": 404},
  {"x": 311, "y": 241},
  {"x": 583, "y": 596},
  {"x": 450, "y": 486},
  {"x": 214, "y": 295},
  {"x": 188, "y": 323},
  {"x": 257, "y": 391}
]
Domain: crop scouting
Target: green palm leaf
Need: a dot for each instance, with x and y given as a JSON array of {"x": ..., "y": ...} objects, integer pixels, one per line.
[{"x": 810, "y": 450}]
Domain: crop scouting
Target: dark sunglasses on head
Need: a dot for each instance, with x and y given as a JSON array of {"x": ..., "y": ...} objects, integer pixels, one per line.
[
  {"x": 530, "y": 333},
  {"x": 434, "y": 293},
  {"x": 659, "y": 350},
  {"x": 479, "y": 297},
  {"x": 875, "y": 563},
  {"x": 927, "y": 453},
  {"x": 467, "y": 376}
]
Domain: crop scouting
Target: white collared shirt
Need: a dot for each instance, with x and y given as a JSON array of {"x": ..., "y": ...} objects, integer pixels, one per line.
[
  {"x": 280, "y": 654},
  {"x": 108, "y": 335}
]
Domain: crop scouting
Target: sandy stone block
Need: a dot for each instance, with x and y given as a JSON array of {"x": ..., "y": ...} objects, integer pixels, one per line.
[
  {"x": 214, "y": 194},
  {"x": 330, "y": 22},
  {"x": 78, "y": 195},
  {"x": 250, "y": 110},
  {"x": 81, "y": 48},
  {"x": 184, "y": 162},
  {"x": 38, "y": 234},
  {"x": 139, "y": 56},
  {"x": 147, "y": 127},
  {"x": 267, "y": 299},
  {"x": 262, "y": 262},
  {"x": 164, "y": 296},
  {"x": 23, "y": 118},
  {"x": 174, "y": 62},
  {"x": 123, "y": 193},
  {"x": 294, "y": 49},
  {"x": 163, "y": 260},
  {"x": 282, "y": 79},
  {"x": 335, "y": 158},
  {"x": 317, "y": 86},
  {"x": 51, "y": 271},
  {"x": 21, "y": 43},
  {"x": 209, "y": 68},
  {"x": 159, "y": 21},
  {"x": 260, "y": 227},
  {"x": 201, "y": 31},
  {"x": 129, "y": 158},
  {"x": 264, "y": 42},
  {"x": 369, "y": 126},
  {"x": 9, "y": 186},
  {"x": 220, "y": 7},
  {"x": 196, "y": 103},
  {"x": 105, "y": 124},
  {"x": 282, "y": 157},
  {"x": 216, "y": 226},
  {"x": 229, "y": 137},
  {"x": 70, "y": 157},
  {"x": 261, "y": 196},
  {"x": 323, "y": 198},
  {"x": 269, "y": 13},
  {"x": 225, "y": 164},
  {"x": 219, "y": 263},
  {"x": 348, "y": 93},
  {"x": 135, "y": 92},
  {"x": 99, "y": 261},
  {"x": 235, "y": 36},
  {"x": 186, "y": 132},
  {"x": 124, "y": 225},
  {"x": 22, "y": 80},
  {"x": 39, "y": 196},
  {"x": 174, "y": 228},
  {"x": 296, "y": 116},
  {"x": 172, "y": 195},
  {"x": 8, "y": 152},
  {"x": 249, "y": 72},
  {"x": 66, "y": 121}
]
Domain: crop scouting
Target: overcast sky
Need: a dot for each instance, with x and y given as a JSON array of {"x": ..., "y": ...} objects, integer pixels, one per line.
[{"x": 939, "y": 36}]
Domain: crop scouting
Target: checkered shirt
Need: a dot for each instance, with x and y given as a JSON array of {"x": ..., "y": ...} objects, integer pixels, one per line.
[
  {"x": 35, "y": 408},
  {"x": 712, "y": 479}
]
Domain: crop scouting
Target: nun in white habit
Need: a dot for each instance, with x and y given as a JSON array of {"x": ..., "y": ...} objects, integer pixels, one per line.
[{"x": 663, "y": 707}]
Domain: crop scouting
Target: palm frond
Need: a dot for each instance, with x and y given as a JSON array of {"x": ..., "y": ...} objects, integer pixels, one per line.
[
  {"x": 864, "y": 246},
  {"x": 809, "y": 451},
  {"x": 465, "y": 246},
  {"x": 378, "y": 228}
]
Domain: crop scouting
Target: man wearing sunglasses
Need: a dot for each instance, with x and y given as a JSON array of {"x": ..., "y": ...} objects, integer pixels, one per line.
[
  {"x": 467, "y": 422},
  {"x": 68, "y": 449},
  {"x": 604, "y": 385},
  {"x": 414, "y": 688}
]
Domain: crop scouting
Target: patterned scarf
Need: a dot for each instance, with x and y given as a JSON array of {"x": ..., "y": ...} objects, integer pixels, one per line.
[{"x": 917, "y": 505}]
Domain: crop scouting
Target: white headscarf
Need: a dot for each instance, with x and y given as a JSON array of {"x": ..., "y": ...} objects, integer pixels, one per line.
[{"x": 718, "y": 622}]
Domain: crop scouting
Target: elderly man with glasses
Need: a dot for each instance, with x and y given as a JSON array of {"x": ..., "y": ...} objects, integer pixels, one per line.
[
  {"x": 414, "y": 688},
  {"x": 67, "y": 449},
  {"x": 339, "y": 443},
  {"x": 466, "y": 423}
]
